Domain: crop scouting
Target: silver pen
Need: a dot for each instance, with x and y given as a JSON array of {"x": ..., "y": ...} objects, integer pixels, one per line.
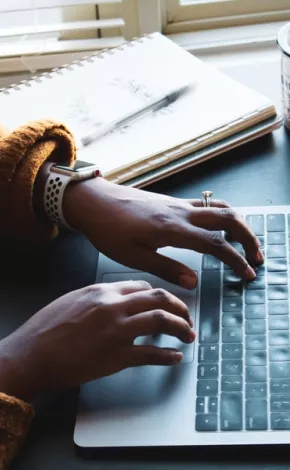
[{"x": 154, "y": 106}]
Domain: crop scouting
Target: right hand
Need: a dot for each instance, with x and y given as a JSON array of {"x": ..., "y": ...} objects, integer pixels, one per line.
[{"x": 90, "y": 333}]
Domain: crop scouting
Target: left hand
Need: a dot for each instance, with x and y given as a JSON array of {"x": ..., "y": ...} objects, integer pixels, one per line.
[{"x": 129, "y": 225}]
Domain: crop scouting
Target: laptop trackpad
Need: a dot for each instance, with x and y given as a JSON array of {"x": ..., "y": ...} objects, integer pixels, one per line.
[{"x": 188, "y": 297}]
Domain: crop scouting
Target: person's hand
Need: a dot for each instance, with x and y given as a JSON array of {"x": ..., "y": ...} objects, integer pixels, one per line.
[
  {"x": 90, "y": 333},
  {"x": 129, "y": 225}
]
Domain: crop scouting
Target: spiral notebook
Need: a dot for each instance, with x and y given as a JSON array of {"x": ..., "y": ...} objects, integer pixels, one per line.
[{"x": 218, "y": 113}]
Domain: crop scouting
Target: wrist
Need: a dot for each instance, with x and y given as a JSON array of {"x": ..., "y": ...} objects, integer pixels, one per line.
[{"x": 78, "y": 199}]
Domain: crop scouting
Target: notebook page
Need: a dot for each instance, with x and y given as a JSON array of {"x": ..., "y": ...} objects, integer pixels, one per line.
[{"x": 98, "y": 92}]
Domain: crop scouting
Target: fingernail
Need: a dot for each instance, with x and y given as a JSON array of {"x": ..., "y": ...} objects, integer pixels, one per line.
[
  {"x": 260, "y": 256},
  {"x": 190, "y": 322},
  {"x": 186, "y": 281},
  {"x": 177, "y": 357},
  {"x": 190, "y": 338},
  {"x": 249, "y": 273}
]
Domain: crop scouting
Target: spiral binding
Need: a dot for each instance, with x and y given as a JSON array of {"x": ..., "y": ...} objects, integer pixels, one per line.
[{"x": 73, "y": 65}]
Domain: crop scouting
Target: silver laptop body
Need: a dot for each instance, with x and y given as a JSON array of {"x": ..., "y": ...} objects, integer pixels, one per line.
[{"x": 233, "y": 386}]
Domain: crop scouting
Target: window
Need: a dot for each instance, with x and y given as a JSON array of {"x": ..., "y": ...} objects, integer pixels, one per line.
[
  {"x": 51, "y": 26},
  {"x": 188, "y": 15},
  {"x": 38, "y": 34}
]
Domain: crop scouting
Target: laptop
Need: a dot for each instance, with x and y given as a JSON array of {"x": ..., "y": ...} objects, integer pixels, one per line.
[{"x": 233, "y": 386}]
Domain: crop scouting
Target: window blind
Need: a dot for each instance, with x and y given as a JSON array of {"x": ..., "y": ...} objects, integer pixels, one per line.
[{"x": 37, "y": 27}]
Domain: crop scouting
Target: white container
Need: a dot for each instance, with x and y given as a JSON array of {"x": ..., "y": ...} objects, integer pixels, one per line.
[{"x": 283, "y": 41}]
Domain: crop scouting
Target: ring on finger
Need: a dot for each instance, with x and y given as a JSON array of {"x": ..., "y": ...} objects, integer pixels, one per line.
[{"x": 206, "y": 198}]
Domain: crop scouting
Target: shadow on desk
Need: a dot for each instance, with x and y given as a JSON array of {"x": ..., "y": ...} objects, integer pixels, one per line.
[{"x": 245, "y": 454}]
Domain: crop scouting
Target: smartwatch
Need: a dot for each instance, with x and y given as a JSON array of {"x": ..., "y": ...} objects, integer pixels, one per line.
[{"x": 59, "y": 177}]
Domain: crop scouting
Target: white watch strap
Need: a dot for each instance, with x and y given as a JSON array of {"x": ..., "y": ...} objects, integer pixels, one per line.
[{"x": 53, "y": 197}]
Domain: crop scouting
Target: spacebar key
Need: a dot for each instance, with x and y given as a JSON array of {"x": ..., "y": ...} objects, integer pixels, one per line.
[{"x": 209, "y": 322}]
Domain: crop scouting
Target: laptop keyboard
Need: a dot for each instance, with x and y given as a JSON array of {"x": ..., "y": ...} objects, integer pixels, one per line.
[{"x": 244, "y": 345}]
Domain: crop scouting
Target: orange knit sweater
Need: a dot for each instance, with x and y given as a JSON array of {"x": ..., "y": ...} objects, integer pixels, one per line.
[{"x": 22, "y": 152}]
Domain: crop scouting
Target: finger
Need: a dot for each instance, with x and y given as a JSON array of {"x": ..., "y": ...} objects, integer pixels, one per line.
[
  {"x": 158, "y": 322},
  {"x": 226, "y": 219},
  {"x": 128, "y": 287},
  {"x": 166, "y": 268},
  {"x": 213, "y": 203},
  {"x": 154, "y": 356},
  {"x": 204, "y": 241},
  {"x": 156, "y": 299}
]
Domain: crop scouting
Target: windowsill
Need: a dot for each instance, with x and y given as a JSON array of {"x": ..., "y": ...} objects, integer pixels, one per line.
[{"x": 223, "y": 39}]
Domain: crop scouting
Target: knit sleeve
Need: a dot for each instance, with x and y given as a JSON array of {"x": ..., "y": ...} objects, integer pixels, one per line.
[
  {"x": 22, "y": 152},
  {"x": 15, "y": 418}
]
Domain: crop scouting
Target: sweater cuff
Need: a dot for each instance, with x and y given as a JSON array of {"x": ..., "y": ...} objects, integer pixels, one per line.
[
  {"x": 15, "y": 416},
  {"x": 22, "y": 153},
  {"x": 15, "y": 419}
]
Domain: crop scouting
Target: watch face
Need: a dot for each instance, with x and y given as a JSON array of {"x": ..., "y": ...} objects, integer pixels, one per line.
[{"x": 78, "y": 167}]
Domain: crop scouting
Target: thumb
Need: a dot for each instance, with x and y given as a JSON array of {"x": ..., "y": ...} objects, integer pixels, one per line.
[{"x": 166, "y": 268}]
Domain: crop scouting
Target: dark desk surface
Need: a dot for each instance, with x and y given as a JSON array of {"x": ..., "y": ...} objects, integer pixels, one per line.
[{"x": 256, "y": 174}]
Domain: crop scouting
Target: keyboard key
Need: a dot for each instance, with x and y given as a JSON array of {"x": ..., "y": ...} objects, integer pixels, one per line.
[
  {"x": 256, "y": 374},
  {"x": 232, "y": 367},
  {"x": 255, "y": 311},
  {"x": 280, "y": 421},
  {"x": 231, "y": 278},
  {"x": 206, "y": 422},
  {"x": 256, "y": 222},
  {"x": 256, "y": 415},
  {"x": 256, "y": 284},
  {"x": 279, "y": 338},
  {"x": 256, "y": 390},
  {"x": 280, "y": 386},
  {"x": 278, "y": 292},
  {"x": 276, "y": 238},
  {"x": 278, "y": 322},
  {"x": 207, "y": 387},
  {"x": 276, "y": 251},
  {"x": 231, "y": 412},
  {"x": 209, "y": 322},
  {"x": 232, "y": 319},
  {"x": 262, "y": 240},
  {"x": 200, "y": 404},
  {"x": 232, "y": 351},
  {"x": 232, "y": 290},
  {"x": 276, "y": 223},
  {"x": 232, "y": 305},
  {"x": 255, "y": 358},
  {"x": 276, "y": 264},
  {"x": 260, "y": 270},
  {"x": 280, "y": 403},
  {"x": 232, "y": 335},
  {"x": 255, "y": 297},
  {"x": 208, "y": 353},
  {"x": 208, "y": 371},
  {"x": 238, "y": 247},
  {"x": 210, "y": 263},
  {"x": 280, "y": 370},
  {"x": 255, "y": 327},
  {"x": 279, "y": 307},
  {"x": 213, "y": 404},
  {"x": 276, "y": 278},
  {"x": 232, "y": 383},
  {"x": 279, "y": 353},
  {"x": 256, "y": 342}
]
